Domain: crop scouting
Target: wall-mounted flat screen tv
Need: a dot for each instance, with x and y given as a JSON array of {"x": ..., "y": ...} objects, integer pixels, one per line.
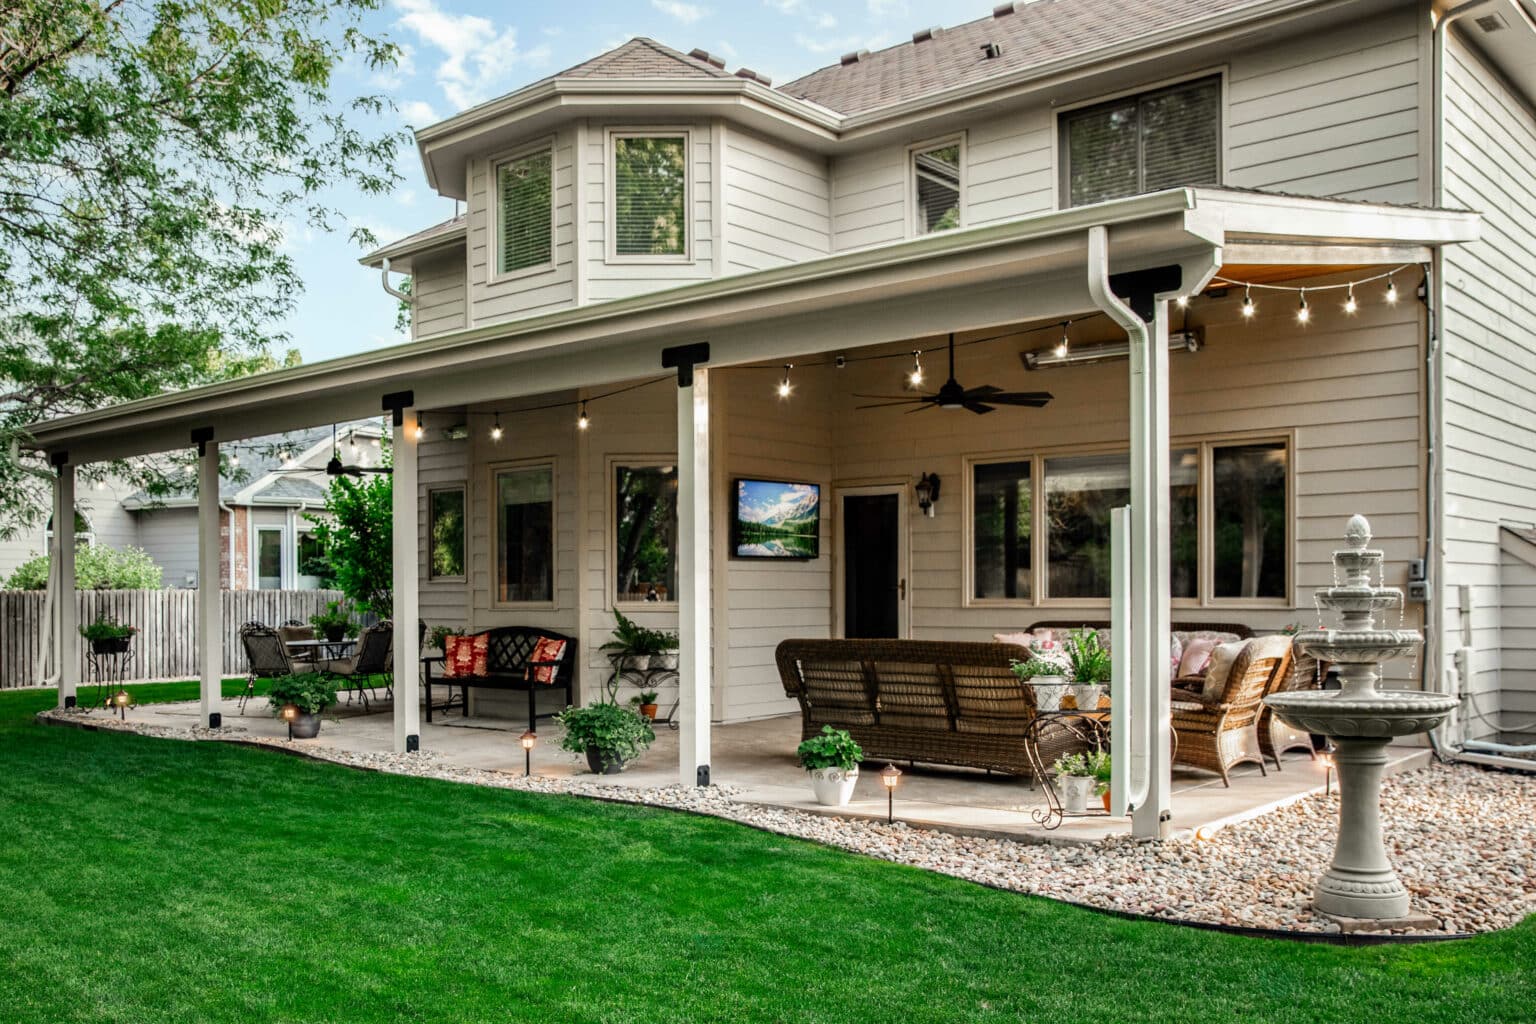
[{"x": 776, "y": 519}]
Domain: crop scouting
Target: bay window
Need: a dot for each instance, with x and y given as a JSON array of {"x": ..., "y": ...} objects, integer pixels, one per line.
[
  {"x": 525, "y": 229},
  {"x": 648, "y": 196}
]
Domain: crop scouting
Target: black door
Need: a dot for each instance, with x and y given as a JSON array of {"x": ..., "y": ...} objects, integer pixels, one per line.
[{"x": 871, "y": 585}]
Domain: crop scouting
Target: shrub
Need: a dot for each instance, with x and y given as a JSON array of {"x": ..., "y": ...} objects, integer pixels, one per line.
[
  {"x": 616, "y": 733},
  {"x": 310, "y": 692},
  {"x": 97, "y": 567},
  {"x": 834, "y": 748}
]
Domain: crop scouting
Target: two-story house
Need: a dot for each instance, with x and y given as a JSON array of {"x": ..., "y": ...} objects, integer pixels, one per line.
[{"x": 1249, "y": 266}]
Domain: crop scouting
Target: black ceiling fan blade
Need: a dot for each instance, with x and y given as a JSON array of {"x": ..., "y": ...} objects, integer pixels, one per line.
[
  {"x": 923, "y": 408},
  {"x": 890, "y": 405},
  {"x": 1031, "y": 399},
  {"x": 985, "y": 391},
  {"x": 915, "y": 396},
  {"x": 978, "y": 408}
]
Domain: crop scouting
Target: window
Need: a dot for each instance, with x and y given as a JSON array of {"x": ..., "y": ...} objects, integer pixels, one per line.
[
  {"x": 645, "y": 533},
  {"x": 650, "y": 196},
  {"x": 1249, "y": 519},
  {"x": 445, "y": 530},
  {"x": 1245, "y": 550},
  {"x": 936, "y": 187},
  {"x": 85, "y": 535},
  {"x": 1002, "y": 526},
  {"x": 314, "y": 570},
  {"x": 525, "y": 534},
  {"x": 1160, "y": 139},
  {"x": 525, "y": 205},
  {"x": 269, "y": 558}
]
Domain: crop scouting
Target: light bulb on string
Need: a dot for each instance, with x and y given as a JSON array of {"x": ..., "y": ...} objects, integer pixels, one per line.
[
  {"x": 915, "y": 378},
  {"x": 418, "y": 430},
  {"x": 1065, "y": 343},
  {"x": 784, "y": 385},
  {"x": 1391, "y": 291},
  {"x": 234, "y": 458},
  {"x": 582, "y": 421},
  {"x": 1350, "y": 305},
  {"x": 1303, "y": 311},
  {"x": 496, "y": 428},
  {"x": 1248, "y": 307},
  {"x": 1182, "y": 301}
]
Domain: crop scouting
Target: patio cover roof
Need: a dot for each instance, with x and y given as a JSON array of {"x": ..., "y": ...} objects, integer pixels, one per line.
[{"x": 1015, "y": 271}]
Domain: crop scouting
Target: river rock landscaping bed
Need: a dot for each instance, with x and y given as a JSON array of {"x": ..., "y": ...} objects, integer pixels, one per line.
[{"x": 1463, "y": 840}]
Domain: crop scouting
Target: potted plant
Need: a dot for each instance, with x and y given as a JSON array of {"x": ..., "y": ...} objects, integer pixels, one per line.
[
  {"x": 108, "y": 636},
  {"x": 308, "y": 694},
  {"x": 629, "y": 640},
  {"x": 438, "y": 636},
  {"x": 1045, "y": 678},
  {"x": 833, "y": 759},
  {"x": 645, "y": 700},
  {"x": 662, "y": 645},
  {"x": 334, "y": 623},
  {"x": 1074, "y": 781},
  {"x": 1099, "y": 762},
  {"x": 609, "y": 735},
  {"x": 1090, "y": 667}
]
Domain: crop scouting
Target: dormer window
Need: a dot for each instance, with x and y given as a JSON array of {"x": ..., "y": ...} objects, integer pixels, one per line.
[
  {"x": 648, "y": 196},
  {"x": 525, "y": 223},
  {"x": 1166, "y": 138},
  {"x": 936, "y": 185}
]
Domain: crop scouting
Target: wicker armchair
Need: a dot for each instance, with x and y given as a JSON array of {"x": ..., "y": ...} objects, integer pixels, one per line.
[
  {"x": 1217, "y": 734},
  {"x": 1275, "y": 737}
]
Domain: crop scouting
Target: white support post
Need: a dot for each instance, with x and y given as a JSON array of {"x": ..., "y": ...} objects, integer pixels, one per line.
[
  {"x": 406, "y": 599},
  {"x": 66, "y": 643},
  {"x": 1150, "y": 582},
  {"x": 694, "y": 594},
  {"x": 210, "y": 624}
]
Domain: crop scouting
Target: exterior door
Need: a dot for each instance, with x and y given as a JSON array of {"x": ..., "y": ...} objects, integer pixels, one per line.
[
  {"x": 269, "y": 558},
  {"x": 873, "y": 564}
]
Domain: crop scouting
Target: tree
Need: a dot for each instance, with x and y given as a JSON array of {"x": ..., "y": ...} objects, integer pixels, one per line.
[
  {"x": 357, "y": 533},
  {"x": 153, "y": 155}
]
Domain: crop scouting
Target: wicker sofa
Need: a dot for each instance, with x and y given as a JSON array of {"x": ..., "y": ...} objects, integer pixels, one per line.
[{"x": 931, "y": 701}]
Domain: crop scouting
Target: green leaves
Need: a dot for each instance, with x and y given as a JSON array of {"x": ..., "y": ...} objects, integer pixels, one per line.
[
  {"x": 834, "y": 748},
  {"x": 357, "y": 535},
  {"x": 616, "y": 733},
  {"x": 310, "y": 692},
  {"x": 97, "y": 567}
]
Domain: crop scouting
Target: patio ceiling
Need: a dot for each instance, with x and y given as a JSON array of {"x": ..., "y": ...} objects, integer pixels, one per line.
[{"x": 1028, "y": 268}]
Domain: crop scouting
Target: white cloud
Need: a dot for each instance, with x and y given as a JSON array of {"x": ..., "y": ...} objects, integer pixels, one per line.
[
  {"x": 887, "y": 8},
  {"x": 841, "y": 45},
  {"x": 685, "y": 13},
  {"x": 727, "y": 50},
  {"x": 479, "y": 58},
  {"x": 823, "y": 21},
  {"x": 418, "y": 113},
  {"x": 786, "y": 6}
]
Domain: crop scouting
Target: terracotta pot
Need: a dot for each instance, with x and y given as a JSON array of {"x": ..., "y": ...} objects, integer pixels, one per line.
[
  {"x": 649, "y": 711},
  {"x": 1106, "y": 801}
]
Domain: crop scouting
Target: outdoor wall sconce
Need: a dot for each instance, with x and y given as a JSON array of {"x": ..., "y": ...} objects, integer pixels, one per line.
[
  {"x": 121, "y": 699},
  {"x": 928, "y": 493},
  {"x": 889, "y": 776},
  {"x": 529, "y": 740},
  {"x": 288, "y": 712}
]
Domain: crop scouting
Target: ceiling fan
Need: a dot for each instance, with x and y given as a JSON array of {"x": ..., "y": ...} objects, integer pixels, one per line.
[
  {"x": 335, "y": 467},
  {"x": 952, "y": 396}
]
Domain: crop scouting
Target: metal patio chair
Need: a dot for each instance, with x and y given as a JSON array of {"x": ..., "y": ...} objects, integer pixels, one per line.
[
  {"x": 374, "y": 660},
  {"x": 266, "y": 655}
]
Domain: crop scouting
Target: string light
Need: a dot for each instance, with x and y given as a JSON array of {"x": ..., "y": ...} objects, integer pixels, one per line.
[
  {"x": 915, "y": 378},
  {"x": 496, "y": 428},
  {"x": 352, "y": 442},
  {"x": 1391, "y": 291},
  {"x": 420, "y": 428},
  {"x": 1248, "y": 307},
  {"x": 234, "y": 458},
  {"x": 284, "y": 455},
  {"x": 582, "y": 422},
  {"x": 1066, "y": 342},
  {"x": 1350, "y": 305},
  {"x": 784, "y": 385},
  {"x": 1183, "y": 301},
  {"x": 1303, "y": 311}
]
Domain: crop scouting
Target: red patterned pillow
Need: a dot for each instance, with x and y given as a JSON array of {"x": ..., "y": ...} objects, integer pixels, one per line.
[
  {"x": 547, "y": 650},
  {"x": 466, "y": 655}
]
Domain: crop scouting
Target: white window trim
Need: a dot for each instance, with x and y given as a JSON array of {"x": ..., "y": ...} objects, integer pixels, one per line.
[
  {"x": 86, "y": 537},
  {"x": 610, "y": 185},
  {"x": 461, "y": 487},
  {"x": 1204, "y": 522},
  {"x": 283, "y": 553},
  {"x": 1224, "y": 127},
  {"x": 494, "y": 273},
  {"x": 911, "y": 210},
  {"x": 611, "y": 531},
  {"x": 494, "y": 529}
]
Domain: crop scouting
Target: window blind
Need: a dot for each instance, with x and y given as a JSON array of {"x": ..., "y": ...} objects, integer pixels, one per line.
[
  {"x": 649, "y": 196},
  {"x": 1158, "y": 140},
  {"x": 525, "y": 195},
  {"x": 937, "y": 172}
]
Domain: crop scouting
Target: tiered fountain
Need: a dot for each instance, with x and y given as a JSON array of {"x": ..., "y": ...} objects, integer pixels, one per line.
[{"x": 1361, "y": 720}]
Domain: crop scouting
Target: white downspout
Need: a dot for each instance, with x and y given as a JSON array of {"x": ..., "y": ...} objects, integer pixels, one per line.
[{"x": 404, "y": 297}]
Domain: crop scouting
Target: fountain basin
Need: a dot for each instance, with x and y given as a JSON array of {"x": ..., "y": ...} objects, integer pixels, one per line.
[
  {"x": 1358, "y": 647},
  {"x": 1359, "y": 599},
  {"x": 1384, "y": 714}
]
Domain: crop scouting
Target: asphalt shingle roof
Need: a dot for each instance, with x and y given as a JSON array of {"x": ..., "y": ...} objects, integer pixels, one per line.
[
  {"x": 1034, "y": 33},
  {"x": 642, "y": 58}
]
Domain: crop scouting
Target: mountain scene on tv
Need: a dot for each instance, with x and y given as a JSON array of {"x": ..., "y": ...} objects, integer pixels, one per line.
[{"x": 777, "y": 520}]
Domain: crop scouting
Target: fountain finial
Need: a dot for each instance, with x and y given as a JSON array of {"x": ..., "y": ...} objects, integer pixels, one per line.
[{"x": 1358, "y": 532}]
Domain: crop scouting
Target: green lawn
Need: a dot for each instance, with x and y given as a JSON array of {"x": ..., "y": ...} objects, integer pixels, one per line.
[{"x": 148, "y": 880}]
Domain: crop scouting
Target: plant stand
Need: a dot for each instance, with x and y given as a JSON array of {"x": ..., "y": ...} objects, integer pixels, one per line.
[
  {"x": 652, "y": 677},
  {"x": 1085, "y": 726},
  {"x": 107, "y": 666}
]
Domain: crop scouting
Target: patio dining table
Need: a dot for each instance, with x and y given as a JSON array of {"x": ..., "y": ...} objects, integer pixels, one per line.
[{"x": 327, "y": 648}]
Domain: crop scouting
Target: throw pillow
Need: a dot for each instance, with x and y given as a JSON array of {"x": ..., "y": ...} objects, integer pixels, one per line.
[
  {"x": 466, "y": 656},
  {"x": 1220, "y": 667},
  {"x": 1175, "y": 654},
  {"x": 550, "y": 650},
  {"x": 1046, "y": 636},
  {"x": 1020, "y": 639},
  {"x": 1196, "y": 657}
]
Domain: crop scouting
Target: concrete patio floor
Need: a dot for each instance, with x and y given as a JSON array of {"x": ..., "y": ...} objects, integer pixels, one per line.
[{"x": 758, "y": 759}]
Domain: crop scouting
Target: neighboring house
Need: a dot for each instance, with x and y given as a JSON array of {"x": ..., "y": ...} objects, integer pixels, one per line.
[
  {"x": 670, "y": 278},
  {"x": 268, "y": 542}
]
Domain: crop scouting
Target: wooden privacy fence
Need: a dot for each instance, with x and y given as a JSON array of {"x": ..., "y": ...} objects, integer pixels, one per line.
[{"x": 166, "y": 646}]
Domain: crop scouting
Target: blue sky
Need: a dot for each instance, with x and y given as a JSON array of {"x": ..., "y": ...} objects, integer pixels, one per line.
[{"x": 461, "y": 52}]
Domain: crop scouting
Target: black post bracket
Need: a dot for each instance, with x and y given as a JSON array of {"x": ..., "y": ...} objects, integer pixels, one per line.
[
  {"x": 1139, "y": 288},
  {"x": 703, "y": 775},
  {"x": 215, "y": 720},
  {"x": 59, "y": 459},
  {"x": 683, "y": 358},
  {"x": 412, "y": 743},
  {"x": 397, "y": 402},
  {"x": 200, "y": 437}
]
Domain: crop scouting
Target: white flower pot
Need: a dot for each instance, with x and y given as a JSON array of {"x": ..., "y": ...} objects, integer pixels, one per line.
[
  {"x": 833, "y": 786},
  {"x": 639, "y": 662},
  {"x": 666, "y": 661},
  {"x": 1048, "y": 692},
  {"x": 1074, "y": 791},
  {"x": 1087, "y": 695}
]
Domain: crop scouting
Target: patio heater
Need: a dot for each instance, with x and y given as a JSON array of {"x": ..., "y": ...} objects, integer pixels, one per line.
[{"x": 529, "y": 740}]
